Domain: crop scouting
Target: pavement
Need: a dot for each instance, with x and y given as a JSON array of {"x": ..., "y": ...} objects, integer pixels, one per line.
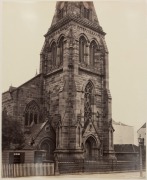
[{"x": 90, "y": 176}]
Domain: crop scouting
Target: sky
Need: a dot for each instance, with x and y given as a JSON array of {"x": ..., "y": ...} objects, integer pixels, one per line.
[{"x": 24, "y": 23}]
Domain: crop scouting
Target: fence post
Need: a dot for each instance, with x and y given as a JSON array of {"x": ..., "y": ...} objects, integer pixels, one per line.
[
  {"x": 112, "y": 164},
  {"x": 83, "y": 165},
  {"x": 56, "y": 165}
]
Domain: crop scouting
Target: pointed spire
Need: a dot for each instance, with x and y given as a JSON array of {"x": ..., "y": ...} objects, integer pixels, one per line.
[
  {"x": 11, "y": 88},
  {"x": 82, "y": 9},
  {"x": 82, "y": 12}
]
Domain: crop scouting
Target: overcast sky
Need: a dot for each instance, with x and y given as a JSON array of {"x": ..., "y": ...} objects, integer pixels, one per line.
[{"x": 124, "y": 21}]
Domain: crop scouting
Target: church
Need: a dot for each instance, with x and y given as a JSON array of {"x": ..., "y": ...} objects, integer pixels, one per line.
[{"x": 66, "y": 108}]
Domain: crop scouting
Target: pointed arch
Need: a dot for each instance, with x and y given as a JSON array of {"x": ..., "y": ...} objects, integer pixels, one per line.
[
  {"x": 82, "y": 48},
  {"x": 48, "y": 144},
  {"x": 91, "y": 143},
  {"x": 32, "y": 113},
  {"x": 93, "y": 52},
  {"x": 86, "y": 38},
  {"x": 60, "y": 37},
  {"x": 61, "y": 49},
  {"x": 53, "y": 49},
  {"x": 97, "y": 141},
  {"x": 86, "y": 82}
]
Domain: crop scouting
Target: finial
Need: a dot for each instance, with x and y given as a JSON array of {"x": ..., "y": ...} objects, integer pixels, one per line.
[{"x": 36, "y": 73}]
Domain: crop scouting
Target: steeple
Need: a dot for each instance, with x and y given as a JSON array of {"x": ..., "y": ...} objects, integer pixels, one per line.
[
  {"x": 83, "y": 9},
  {"x": 82, "y": 12}
]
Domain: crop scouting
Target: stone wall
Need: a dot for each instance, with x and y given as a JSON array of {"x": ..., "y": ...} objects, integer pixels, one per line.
[{"x": 15, "y": 101}]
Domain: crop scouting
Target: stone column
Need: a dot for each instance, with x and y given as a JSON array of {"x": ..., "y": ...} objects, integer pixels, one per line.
[
  {"x": 41, "y": 63},
  {"x": 58, "y": 57},
  {"x": 56, "y": 165},
  {"x": 87, "y": 55},
  {"x": 106, "y": 66}
]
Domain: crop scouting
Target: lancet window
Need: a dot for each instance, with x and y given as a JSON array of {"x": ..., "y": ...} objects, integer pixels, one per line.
[
  {"x": 93, "y": 51},
  {"x": 61, "y": 50},
  {"x": 82, "y": 49},
  {"x": 86, "y": 13},
  {"x": 53, "y": 53}
]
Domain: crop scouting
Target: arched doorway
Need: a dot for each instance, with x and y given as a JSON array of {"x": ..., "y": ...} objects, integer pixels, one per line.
[
  {"x": 49, "y": 146},
  {"x": 90, "y": 149}
]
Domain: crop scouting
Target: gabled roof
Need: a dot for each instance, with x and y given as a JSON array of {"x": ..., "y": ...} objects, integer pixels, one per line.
[
  {"x": 120, "y": 123},
  {"x": 144, "y": 126},
  {"x": 125, "y": 148},
  {"x": 35, "y": 130},
  {"x": 11, "y": 88}
]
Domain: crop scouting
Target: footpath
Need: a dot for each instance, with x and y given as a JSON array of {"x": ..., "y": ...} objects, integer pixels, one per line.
[{"x": 89, "y": 176}]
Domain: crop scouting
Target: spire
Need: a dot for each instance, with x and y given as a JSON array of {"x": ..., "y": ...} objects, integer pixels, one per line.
[
  {"x": 80, "y": 9},
  {"x": 81, "y": 12}
]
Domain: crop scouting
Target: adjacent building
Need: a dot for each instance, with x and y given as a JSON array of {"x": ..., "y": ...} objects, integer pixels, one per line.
[
  {"x": 142, "y": 133},
  {"x": 123, "y": 134}
]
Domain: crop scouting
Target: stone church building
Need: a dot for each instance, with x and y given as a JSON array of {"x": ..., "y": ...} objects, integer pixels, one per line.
[{"x": 66, "y": 108}]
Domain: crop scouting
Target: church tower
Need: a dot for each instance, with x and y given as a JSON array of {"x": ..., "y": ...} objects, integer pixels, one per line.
[{"x": 74, "y": 64}]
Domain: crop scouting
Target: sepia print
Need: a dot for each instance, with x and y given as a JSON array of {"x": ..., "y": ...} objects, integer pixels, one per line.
[{"x": 61, "y": 120}]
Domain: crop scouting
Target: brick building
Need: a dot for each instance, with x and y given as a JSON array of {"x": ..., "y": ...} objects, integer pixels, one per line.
[{"x": 66, "y": 108}]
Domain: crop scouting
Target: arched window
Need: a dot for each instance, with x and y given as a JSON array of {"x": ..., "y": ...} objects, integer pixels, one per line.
[
  {"x": 93, "y": 51},
  {"x": 86, "y": 13},
  {"x": 61, "y": 50},
  {"x": 53, "y": 53},
  {"x": 82, "y": 49},
  {"x": 88, "y": 102},
  {"x": 31, "y": 114}
]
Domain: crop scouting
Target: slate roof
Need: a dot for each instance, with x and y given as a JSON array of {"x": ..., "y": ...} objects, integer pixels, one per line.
[
  {"x": 144, "y": 126},
  {"x": 34, "y": 131},
  {"x": 120, "y": 123},
  {"x": 126, "y": 148}
]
